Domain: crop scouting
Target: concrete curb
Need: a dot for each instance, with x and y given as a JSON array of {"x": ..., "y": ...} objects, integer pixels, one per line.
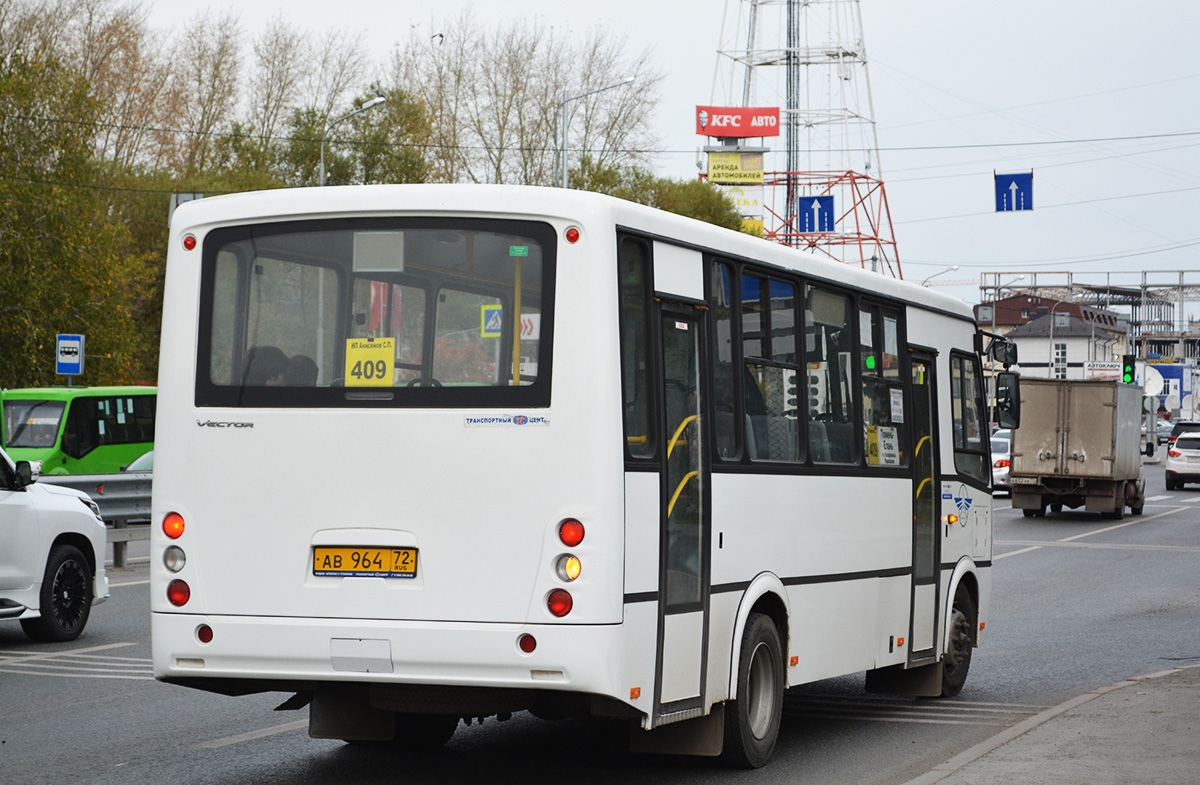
[{"x": 974, "y": 753}]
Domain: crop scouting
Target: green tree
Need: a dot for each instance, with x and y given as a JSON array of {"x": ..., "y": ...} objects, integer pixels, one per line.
[
  {"x": 693, "y": 198},
  {"x": 64, "y": 266}
]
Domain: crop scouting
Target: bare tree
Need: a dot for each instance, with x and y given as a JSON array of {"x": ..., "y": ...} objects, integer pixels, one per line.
[
  {"x": 492, "y": 98},
  {"x": 340, "y": 64},
  {"x": 210, "y": 66},
  {"x": 433, "y": 68},
  {"x": 280, "y": 55}
]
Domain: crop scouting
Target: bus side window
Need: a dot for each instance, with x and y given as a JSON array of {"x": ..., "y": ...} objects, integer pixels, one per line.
[
  {"x": 724, "y": 385},
  {"x": 830, "y": 352},
  {"x": 635, "y": 371},
  {"x": 884, "y": 435},
  {"x": 970, "y": 446}
]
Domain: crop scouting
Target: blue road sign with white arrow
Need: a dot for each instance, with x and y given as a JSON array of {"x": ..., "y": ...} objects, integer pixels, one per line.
[
  {"x": 816, "y": 214},
  {"x": 1014, "y": 192}
]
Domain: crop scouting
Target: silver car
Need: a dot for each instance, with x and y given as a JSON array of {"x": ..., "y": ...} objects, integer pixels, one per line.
[
  {"x": 1001, "y": 458},
  {"x": 1183, "y": 460}
]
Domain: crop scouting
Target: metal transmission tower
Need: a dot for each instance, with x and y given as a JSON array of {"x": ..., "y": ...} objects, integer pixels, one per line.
[{"x": 808, "y": 58}]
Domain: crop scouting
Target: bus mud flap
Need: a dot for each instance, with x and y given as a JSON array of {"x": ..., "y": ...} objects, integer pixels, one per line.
[
  {"x": 699, "y": 736},
  {"x": 923, "y": 681}
]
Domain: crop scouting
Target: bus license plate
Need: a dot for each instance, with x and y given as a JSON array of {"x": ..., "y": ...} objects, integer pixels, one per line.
[{"x": 365, "y": 562}]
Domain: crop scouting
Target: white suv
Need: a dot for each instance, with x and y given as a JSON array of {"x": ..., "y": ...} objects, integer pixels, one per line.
[{"x": 52, "y": 545}]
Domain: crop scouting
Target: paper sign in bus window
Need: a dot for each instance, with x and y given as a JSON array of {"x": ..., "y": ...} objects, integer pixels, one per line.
[{"x": 370, "y": 363}]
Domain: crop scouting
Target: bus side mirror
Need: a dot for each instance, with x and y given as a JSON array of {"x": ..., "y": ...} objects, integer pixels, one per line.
[
  {"x": 1004, "y": 352},
  {"x": 1008, "y": 399}
]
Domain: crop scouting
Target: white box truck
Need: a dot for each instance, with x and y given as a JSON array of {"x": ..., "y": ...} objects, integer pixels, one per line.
[{"x": 1079, "y": 445}]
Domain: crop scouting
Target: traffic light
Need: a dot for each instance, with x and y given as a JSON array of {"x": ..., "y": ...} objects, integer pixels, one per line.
[{"x": 1128, "y": 368}]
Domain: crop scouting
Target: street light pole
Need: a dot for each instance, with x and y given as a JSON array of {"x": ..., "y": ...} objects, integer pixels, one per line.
[
  {"x": 935, "y": 275},
  {"x": 374, "y": 102},
  {"x": 561, "y": 124}
]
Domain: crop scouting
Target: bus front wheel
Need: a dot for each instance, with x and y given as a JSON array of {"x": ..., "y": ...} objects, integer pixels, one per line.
[
  {"x": 957, "y": 661},
  {"x": 752, "y": 720}
]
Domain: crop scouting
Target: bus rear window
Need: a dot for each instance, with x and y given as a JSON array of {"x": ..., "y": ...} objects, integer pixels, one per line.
[{"x": 351, "y": 312}]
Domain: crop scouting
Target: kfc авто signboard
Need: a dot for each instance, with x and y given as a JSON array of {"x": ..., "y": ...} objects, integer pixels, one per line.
[{"x": 737, "y": 121}]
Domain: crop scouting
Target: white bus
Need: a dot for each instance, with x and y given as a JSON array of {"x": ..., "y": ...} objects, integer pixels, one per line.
[{"x": 437, "y": 452}]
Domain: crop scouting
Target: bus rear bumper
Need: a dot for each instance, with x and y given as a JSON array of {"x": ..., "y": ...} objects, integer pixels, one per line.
[{"x": 251, "y": 654}]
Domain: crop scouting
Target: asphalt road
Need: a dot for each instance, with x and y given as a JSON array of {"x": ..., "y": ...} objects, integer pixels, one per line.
[{"x": 1079, "y": 602}]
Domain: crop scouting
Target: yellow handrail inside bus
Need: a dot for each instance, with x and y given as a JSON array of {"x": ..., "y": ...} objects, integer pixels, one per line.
[
  {"x": 516, "y": 324},
  {"x": 918, "y": 450},
  {"x": 679, "y": 490},
  {"x": 636, "y": 439},
  {"x": 678, "y": 431},
  {"x": 922, "y": 485}
]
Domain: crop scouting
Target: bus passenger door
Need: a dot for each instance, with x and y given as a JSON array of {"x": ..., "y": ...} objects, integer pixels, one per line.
[
  {"x": 926, "y": 499},
  {"x": 684, "y": 560}
]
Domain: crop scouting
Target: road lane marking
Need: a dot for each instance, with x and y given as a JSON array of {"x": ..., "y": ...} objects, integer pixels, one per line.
[
  {"x": 906, "y": 710},
  {"x": 78, "y": 664},
  {"x": 1103, "y": 546},
  {"x": 129, "y": 583},
  {"x": 1158, "y": 498},
  {"x": 1140, "y": 519},
  {"x": 252, "y": 735}
]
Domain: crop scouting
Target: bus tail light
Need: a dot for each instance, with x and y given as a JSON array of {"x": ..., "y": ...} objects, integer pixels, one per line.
[
  {"x": 570, "y": 532},
  {"x": 572, "y": 234},
  {"x": 527, "y": 643},
  {"x": 174, "y": 558},
  {"x": 559, "y": 602},
  {"x": 178, "y": 592},
  {"x": 173, "y": 525},
  {"x": 568, "y": 568},
  {"x": 204, "y": 633}
]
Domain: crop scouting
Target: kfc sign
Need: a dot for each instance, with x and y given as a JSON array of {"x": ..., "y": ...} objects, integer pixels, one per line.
[{"x": 737, "y": 121}]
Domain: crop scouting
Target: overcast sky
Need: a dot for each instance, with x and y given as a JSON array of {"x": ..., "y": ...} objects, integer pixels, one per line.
[{"x": 1097, "y": 98}]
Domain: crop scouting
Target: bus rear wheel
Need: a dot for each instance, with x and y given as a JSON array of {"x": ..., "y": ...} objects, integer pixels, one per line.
[{"x": 752, "y": 720}]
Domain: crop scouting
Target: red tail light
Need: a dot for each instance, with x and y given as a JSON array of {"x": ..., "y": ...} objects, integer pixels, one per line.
[
  {"x": 1000, "y": 463},
  {"x": 527, "y": 643},
  {"x": 173, "y": 525},
  {"x": 559, "y": 602},
  {"x": 570, "y": 532},
  {"x": 1174, "y": 453},
  {"x": 178, "y": 592}
]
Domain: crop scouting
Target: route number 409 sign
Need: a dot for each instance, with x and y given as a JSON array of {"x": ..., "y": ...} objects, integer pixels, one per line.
[{"x": 370, "y": 363}]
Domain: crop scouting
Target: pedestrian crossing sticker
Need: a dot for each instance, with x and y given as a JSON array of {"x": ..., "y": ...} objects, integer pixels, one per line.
[{"x": 491, "y": 320}]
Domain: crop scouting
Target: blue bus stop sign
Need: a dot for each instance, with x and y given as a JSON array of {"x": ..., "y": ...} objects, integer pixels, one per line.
[
  {"x": 1014, "y": 192},
  {"x": 69, "y": 355}
]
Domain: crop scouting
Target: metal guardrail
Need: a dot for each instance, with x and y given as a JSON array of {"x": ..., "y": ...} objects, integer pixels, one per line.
[{"x": 122, "y": 498}]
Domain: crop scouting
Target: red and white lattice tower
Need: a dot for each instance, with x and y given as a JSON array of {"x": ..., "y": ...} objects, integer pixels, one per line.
[{"x": 808, "y": 58}]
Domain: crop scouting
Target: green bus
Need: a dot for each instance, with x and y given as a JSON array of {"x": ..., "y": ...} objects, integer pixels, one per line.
[{"x": 78, "y": 430}]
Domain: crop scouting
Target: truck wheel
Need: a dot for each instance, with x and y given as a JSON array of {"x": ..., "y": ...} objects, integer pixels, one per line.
[
  {"x": 65, "y": 599},
  {"x": 1138, "y": 509},
  {"x": 752, "y": 721},
  {"x": 957, "y": 660},
  {"x": 1056, "y": 508},
  {"x": 1028, "y": 513}
]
